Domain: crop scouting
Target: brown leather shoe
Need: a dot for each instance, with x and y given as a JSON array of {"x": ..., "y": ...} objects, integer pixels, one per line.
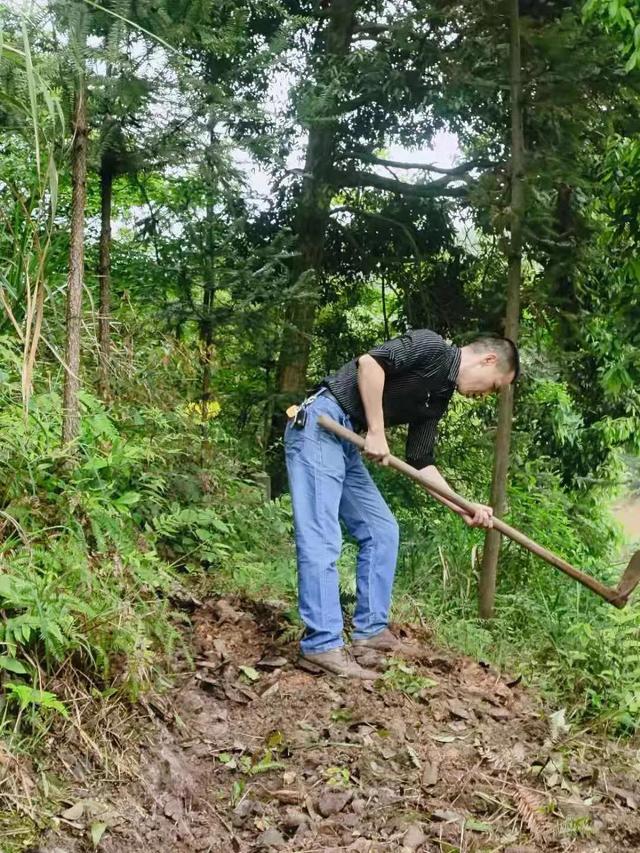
[
  {"x": 337, "y": 662},
  {"x": 387, "y": 643}
]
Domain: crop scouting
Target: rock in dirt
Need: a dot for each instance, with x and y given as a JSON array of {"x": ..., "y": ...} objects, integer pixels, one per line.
[
  {"x": 271, "y": 839},
  {"x": 413, "y": 837},
  {"x": 332, "y": 802}
]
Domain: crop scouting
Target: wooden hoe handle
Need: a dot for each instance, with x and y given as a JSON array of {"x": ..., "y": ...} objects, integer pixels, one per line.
[{"x": 610, "y": 595}]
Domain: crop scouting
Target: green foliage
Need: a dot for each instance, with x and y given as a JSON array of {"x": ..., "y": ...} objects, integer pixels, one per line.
[
  {"x": 84, "y": 551},
  {"x": 26, "y": 696},
  {"x": 619, "y": 17}
]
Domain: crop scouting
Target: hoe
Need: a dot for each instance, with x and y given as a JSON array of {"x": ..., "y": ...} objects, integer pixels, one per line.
[{"x": 618, "y": 596}]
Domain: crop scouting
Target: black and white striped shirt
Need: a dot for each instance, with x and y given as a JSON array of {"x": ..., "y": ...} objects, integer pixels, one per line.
[{"x": 421, "y": 370}]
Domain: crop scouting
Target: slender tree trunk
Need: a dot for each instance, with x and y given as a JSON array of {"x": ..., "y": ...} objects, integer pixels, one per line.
[
  {"x": 310, "y": 227},
  {"x": 70, "y": 406},
  {"x": 488, "y": 571},
  {"x": 209, "y": 289},
  {"x": 104, "y": 277},
  {"x": 385, "y": 316}
]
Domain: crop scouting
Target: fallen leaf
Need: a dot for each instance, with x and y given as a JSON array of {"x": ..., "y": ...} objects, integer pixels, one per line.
[
  {"x": 414, "y": 837},
  {"x": 272, "y": 663},
  {"x": 626, "y": 797},
  {"x": 288, "y": 796},
  {"x": 270, "y": 691},
  {"x": 98, "y": 829},
  {"x": 275, "y": 740},
  {"x": 446, "y": 815},
  {"x": 210, "y": 664},
  {"x": 332, "y": 802},
  {"x": 250, "y": 672},
  {"x": 477, "y": 825},
  {"x": 74, "y": 813},
  {"x": 415, "y": 760},
  {"x": 558, "y": 724},
  {"x": 226, "y": 613},
  {"x": 457, "y": 709},
  {"x": 271, "y": 838},
  {"x": 221, "y": 647},
  {"x": 498, "y": 713}
]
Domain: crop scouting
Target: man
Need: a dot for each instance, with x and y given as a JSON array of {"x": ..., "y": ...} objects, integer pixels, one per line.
[{"x": 411, "y": 380}]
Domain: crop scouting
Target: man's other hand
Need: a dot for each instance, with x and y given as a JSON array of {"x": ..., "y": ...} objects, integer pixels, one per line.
[
  {"x": 482, "y": 516},
  {"x": 376, "y": 447}
]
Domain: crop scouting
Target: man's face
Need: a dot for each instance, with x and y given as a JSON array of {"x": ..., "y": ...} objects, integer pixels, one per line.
[{"x": 483, "y": 377}]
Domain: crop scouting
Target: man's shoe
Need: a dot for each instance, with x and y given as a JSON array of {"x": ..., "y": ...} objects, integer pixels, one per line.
[
  {"x": 337, "y": 662},
  {"x": 387, "y": 643}
]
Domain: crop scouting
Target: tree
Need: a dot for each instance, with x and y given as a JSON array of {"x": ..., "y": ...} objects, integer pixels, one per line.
[
  {"x": 367, "y": 84},
  {"x": 505, "y": 407},
  {"x": 75, "y": 282}
]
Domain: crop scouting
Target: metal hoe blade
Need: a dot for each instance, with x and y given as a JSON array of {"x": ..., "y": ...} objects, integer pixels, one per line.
[{"x": 629, "y": 580}]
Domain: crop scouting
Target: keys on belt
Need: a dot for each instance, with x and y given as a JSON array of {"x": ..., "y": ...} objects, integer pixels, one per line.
[{"x": 298, "y": 414}]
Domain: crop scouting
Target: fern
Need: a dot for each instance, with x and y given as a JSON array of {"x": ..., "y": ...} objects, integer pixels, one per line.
[{"x": 26, "y": 696}]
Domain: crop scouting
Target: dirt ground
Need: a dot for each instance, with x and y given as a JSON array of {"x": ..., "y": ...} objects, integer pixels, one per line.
[
  {"x": 248, "y": 753},
  {"x": 628, "y": 514}
]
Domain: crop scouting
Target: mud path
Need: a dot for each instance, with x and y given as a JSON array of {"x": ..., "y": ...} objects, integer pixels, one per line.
[{"x": 249, "y": 753}]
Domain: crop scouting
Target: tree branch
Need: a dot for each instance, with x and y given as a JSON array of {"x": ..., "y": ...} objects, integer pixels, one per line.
[
  {"x": 459, "y": 171},
  {"x": 356, "y": 211},
  {"x": 433, "y": 189},
  {"x": 371, "y": 28}
]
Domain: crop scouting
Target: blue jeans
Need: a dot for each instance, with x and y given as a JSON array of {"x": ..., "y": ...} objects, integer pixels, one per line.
[{"x": 328, "y": 482}]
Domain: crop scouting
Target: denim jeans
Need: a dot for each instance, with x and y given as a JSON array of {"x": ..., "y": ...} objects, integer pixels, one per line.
[{"x": 328, "y": 482}]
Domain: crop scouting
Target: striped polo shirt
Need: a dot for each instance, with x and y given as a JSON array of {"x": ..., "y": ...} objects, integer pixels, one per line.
[{"x": 421, "y": 371}]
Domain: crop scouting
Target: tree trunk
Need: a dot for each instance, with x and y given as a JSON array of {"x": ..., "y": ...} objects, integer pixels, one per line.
[
  {"x": 104, "y": 277},
  {"x": 70, "y": 405},
  {"x": 488, "y": 572},
  {"x": 209, "y": 286},
  {"x": 310, "y": 227}
]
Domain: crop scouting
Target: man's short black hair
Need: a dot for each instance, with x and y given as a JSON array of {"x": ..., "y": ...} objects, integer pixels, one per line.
[{"x": 504, "y": 348}]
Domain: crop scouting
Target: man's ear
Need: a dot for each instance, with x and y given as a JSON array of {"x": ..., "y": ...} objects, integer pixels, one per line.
[{"x": 490, "y": 359}]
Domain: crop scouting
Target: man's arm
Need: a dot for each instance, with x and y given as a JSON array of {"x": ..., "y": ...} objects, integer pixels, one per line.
[
  {"x": 483, "y": 515},
  {"x": 371, "y": 385}
]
